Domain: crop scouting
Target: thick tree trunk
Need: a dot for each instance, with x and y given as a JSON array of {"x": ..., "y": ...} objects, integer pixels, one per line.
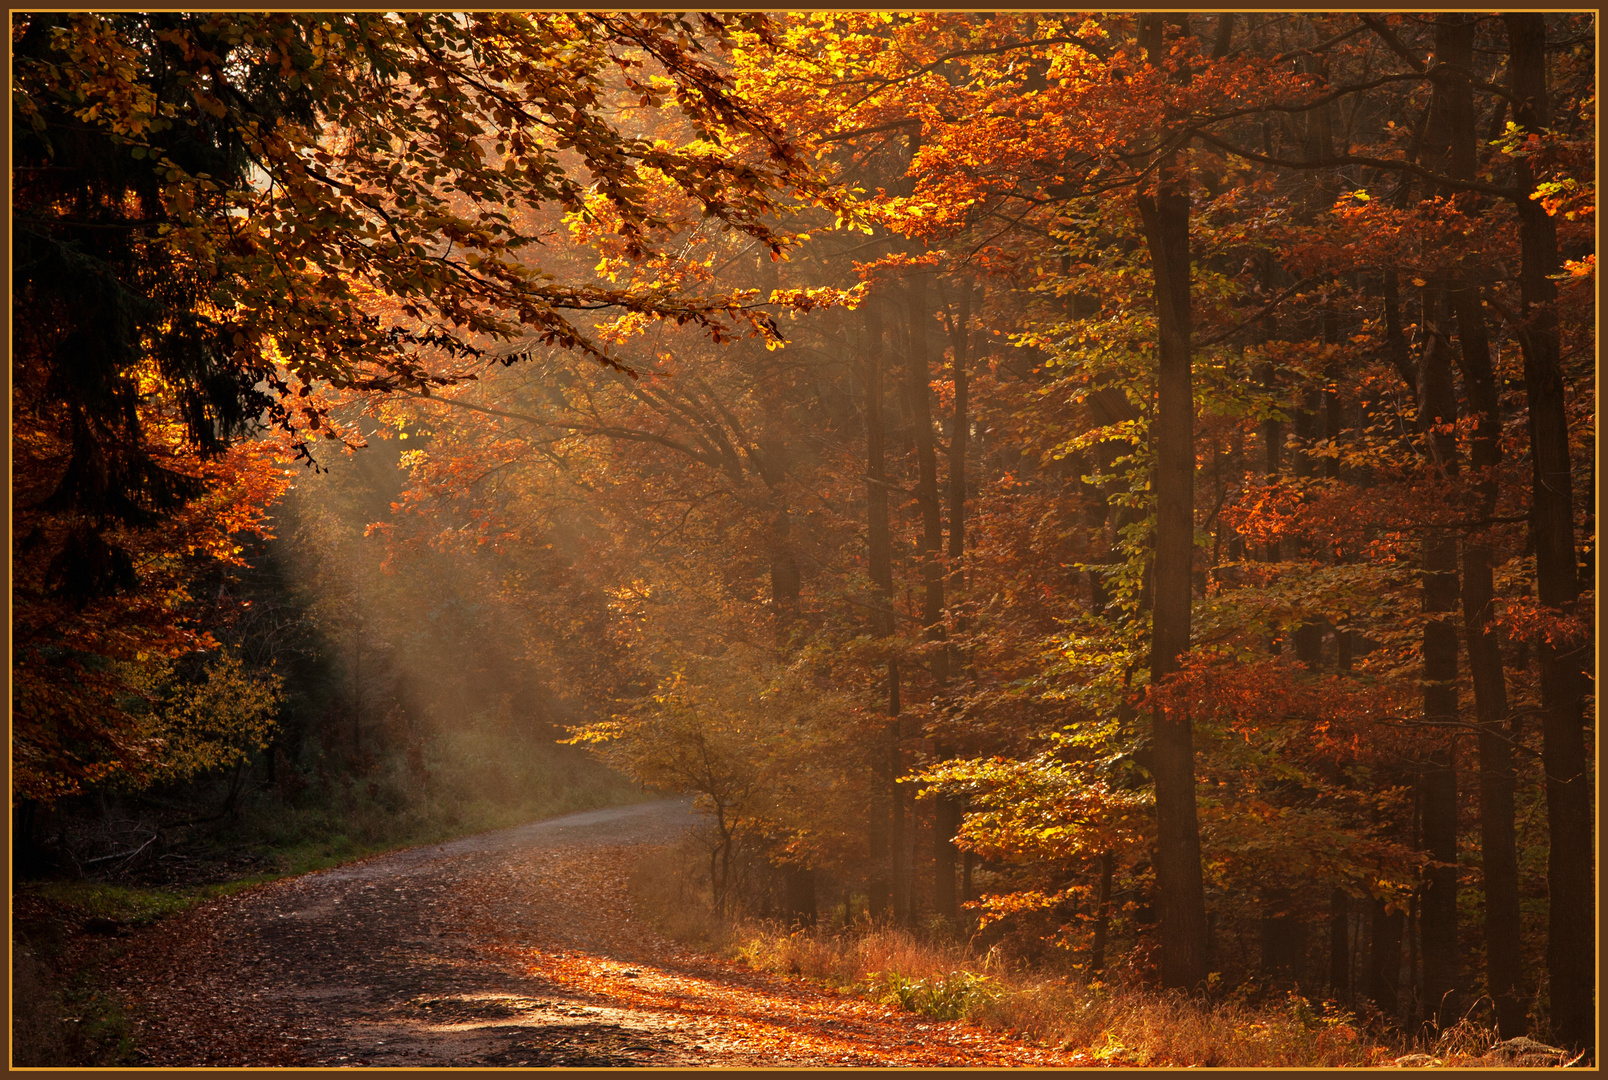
[
  {"x": 1182, "y": 900},
  {"x": 1571, "y": 883},
  {"x": 1283, "y": 939},
  {"x": 1498, "y": 842},
  {"x": 1498, "y": 845},
  {"x": 1438, "y": 911},
  {"x": 798, "y": 886}
]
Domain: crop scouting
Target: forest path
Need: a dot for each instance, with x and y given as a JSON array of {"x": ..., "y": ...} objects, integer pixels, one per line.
[{"x": 509, "y": 948}]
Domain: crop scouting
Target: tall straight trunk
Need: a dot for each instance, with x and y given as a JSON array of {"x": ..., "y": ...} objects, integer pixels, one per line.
[
  {"x": 960, "y": 431},
  {"x": 884, "y": 832},
  {"x": 1437, "y": 416},
  {"x": 1307, "y": 428},
  {"x": 1498, "y": 841},
  {"x": 947, "y": 817},
  {"x": 946, "y": 823},
  {"x": 1317, "y": 198},
  {"x": 898, "y": 843},
  {"x": 786, "y": 582},
  {"x": 1283, "y": 938},
  {"x": 1340, "y": 945},
  {"x": 1498, "y": 844},
  {"x": 1571, "y": 883},
  {"x": 1102, "y": 918},
  {"x": 918, "y": 391},
  {"x": 770, "y": 457},
  {"x": 1384, "y": 958},
  {"x": 1438, "y": 909},
  {"x": 1272, "y": 427},
  {"x": 1181, "y": 890},
  {"x": 879, "y": 537}
]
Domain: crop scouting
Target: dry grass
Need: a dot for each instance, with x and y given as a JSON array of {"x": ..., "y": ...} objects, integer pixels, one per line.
[
  {"x": 1121, "y": 1025},
  {"x": 1128, "y": 1026}
]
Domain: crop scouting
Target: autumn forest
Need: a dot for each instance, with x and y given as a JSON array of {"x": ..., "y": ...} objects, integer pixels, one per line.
[{"x": 1113, "y": 493}]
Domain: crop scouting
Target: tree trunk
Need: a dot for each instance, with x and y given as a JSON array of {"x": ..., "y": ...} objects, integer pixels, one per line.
[
  {"x": 946, "y": 821},
  {"x": 960, "y": 432},
  {"x": 799, "y": 895},
  {"x": 946, "y": 824},
  {"x": 1384, "y": 959},
  {"x": 1340, "y": 945},
  {"x": 918, "y": 391},
  {"x": 1498, "y": 845},
  {"x": 1283, "y": 939},
  {"x": 898, "y": 846},
  {"x": 880, "y": 558},
  {"x": 1102, "y": 919},
  {"x": 1182, "y": 899},
  {"x": 786, "y": 582},
  {"x": 1498, "y": 841},
  {"x": 1438, "y": 911},
  {"x": 1571, "y": 883},
  {"x": 1437, "y": 417}
]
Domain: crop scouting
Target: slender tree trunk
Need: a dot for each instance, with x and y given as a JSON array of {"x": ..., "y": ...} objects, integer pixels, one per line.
[
  {"x": 1384, "y": 959},
  {"x": 1102, "y": 921},
  {"x": 1571, "y": 883},
  {"x": 1165, "y": 212},
  {"x": 918, "y": 391},
  {"x": 1340, "y": 945},
  {"x": 770, "y": 458},
  {"x": 886, "y": 820},
  {"x": 898, "y": 845},
  {"x": 960, "y": 432},
  {"x": 946, "y": 823},
  {"x": 947, "y": 816},
  {"x": 786, "y": 582}
]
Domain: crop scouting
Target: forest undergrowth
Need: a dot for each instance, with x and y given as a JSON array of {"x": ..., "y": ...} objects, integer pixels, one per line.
[{"x": 942, "y": 971}]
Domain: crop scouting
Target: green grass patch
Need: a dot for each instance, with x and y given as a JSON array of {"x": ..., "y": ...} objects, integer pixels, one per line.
[{"x": 955, "y": 995}]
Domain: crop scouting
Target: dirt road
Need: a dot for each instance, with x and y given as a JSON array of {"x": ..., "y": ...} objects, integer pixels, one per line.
[{"x": 511, "y": 948}]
